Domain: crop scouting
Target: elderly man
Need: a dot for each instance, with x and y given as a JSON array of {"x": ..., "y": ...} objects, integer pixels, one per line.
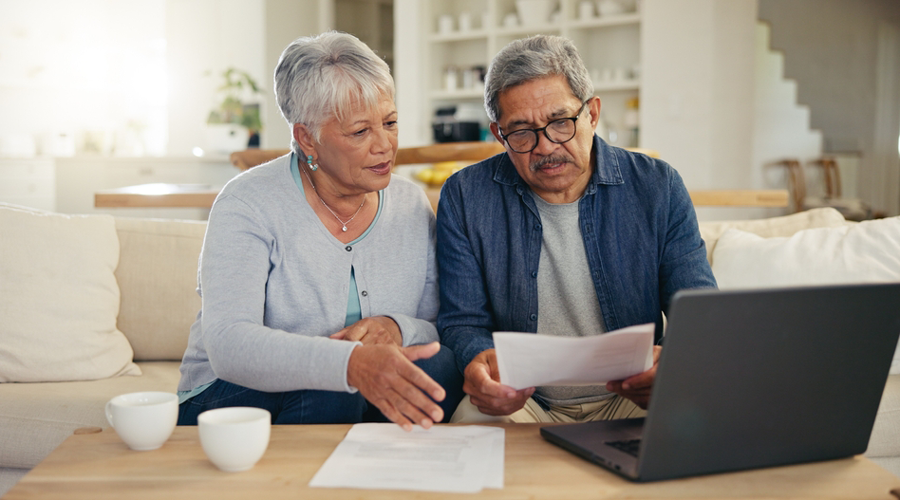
[{"x": 562, "y": 235}]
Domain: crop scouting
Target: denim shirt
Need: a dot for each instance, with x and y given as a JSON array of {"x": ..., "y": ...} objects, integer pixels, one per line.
[{"x": 638, "y": 228}]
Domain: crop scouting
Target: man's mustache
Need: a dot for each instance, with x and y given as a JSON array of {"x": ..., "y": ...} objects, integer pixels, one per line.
[{"x": 535, "y": 165}]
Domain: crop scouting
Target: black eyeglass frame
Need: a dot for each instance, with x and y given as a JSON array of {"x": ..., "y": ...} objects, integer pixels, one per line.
[{"x": 543, "y": 129}]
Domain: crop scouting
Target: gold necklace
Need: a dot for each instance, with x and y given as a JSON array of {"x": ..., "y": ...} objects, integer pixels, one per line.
[{"x": 343, "y": 223}]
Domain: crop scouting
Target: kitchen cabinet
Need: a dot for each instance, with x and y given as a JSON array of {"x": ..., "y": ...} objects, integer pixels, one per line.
[
  {"x": 28, "y": 182},
  {"x": 78, "y": 178}
]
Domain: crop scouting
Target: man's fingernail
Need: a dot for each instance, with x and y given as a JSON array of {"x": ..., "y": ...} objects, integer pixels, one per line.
[{"x": 626, "y": 386}]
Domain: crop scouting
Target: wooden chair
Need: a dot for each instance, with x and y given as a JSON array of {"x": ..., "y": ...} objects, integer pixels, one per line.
[{"x": 851, "y": 209}]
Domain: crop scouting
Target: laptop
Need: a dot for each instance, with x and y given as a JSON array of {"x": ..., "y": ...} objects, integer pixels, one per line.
[{"x": 754, "y": 378}]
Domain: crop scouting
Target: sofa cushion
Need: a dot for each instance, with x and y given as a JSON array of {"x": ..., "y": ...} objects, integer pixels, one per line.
[
  {"x": 37, "y": 417},
  {"x": 861, "y": 253},
  {"x": 157, "y": 276},
  {"x": 785, "y": 225},
  {"x": 866, "y": 252},
  {"x": 59, "y": 298}
]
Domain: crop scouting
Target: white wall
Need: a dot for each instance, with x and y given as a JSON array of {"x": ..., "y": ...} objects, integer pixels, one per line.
[
  {"x": 286, "y": 20},
  {"x": 697, "y": 88},
  {"x": 697, "y": 93},
  {"x": 91, "y": 71},
  {"x": 204, "y": 37},
  {"x": 409, "y": 77}
]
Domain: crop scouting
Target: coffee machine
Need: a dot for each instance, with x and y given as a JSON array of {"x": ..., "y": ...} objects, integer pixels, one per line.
[{"x": 459, "y": 122}]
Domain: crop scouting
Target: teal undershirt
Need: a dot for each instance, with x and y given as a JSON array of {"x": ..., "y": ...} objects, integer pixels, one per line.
[{"x": 354, "y": 309}]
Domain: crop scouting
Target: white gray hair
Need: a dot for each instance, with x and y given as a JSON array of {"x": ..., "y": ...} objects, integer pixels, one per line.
[
  {"x": 532, "y": 58},
  {"x": 323, "y": 76}
]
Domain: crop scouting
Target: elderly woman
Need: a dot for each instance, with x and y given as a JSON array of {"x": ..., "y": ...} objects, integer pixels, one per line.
[{"x": 317, "y": 274}]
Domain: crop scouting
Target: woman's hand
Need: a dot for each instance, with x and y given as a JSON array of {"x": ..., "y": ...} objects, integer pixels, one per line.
[
  {"x": 386, "y": 377},
  {"x": 372, "y": 331}
]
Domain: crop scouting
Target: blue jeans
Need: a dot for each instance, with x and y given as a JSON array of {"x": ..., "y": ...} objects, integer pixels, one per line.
[{"x": 321, "y": 407}]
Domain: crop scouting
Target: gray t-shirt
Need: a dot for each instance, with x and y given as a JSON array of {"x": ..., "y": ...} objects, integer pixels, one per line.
[{"x": 567, "y": 301}]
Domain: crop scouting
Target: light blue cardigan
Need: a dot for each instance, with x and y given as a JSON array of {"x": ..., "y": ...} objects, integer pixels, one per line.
[{"x": 274, "y": 284}]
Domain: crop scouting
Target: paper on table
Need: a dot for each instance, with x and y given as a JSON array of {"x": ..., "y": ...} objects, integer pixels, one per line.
[
  {"x": 462, "y": 459},
  {"x": 529, "y": 359}
]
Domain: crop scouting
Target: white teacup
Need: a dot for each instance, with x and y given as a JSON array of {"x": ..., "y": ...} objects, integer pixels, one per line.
[
  {"x": 144, "y": 420},
  {"x": 235, "y": 438}
]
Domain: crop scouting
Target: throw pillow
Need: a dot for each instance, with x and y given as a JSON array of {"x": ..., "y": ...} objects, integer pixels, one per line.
[
  {"x": 785, "y": 225},
  {"x": 59, "y": 298},
  {"x": 860, "y": 253},
  {"x": 157, "y": 276}
]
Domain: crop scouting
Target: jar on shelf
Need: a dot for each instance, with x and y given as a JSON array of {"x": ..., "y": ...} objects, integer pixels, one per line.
[
  {"x": 451, "y": 78},
  {"x": 632, "y": 121}
]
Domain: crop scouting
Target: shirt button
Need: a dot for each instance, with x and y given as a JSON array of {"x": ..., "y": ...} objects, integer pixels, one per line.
[
  {"x": 533, "y": 317},
  {"x": 348, "y": 248},
  {"x": 364, "y": 293}
]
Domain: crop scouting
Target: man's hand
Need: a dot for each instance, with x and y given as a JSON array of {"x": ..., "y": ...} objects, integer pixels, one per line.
[
  {"x": 371, "y": 331},
  {"x": 485, "y": 390},
  {"x": 637, "y": 388},
  {"x": 385, "y": 375}
]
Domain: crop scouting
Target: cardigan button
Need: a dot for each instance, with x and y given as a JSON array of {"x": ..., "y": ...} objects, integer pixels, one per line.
[
  {"x": 534, "y": 274},
  {"x": 537, "y": 227},
  {"x": 364, "y": 293},
  {"x": 348, "y": 248},
  {"x": 533, "y": 317}
]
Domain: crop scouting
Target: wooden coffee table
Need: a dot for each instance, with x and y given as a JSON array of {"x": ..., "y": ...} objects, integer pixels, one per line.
[{"x": 99, "y": 466}]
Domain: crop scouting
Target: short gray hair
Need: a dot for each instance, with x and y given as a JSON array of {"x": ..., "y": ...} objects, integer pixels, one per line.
[
  {"x": 532, "y": 58},
  {"x": 320, "y": 77}
]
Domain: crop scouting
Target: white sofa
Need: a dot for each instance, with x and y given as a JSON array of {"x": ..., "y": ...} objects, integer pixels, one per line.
[{"x": 155, "y": 282}]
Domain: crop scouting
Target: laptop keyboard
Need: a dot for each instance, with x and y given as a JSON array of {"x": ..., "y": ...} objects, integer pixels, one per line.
[{"x": 630, "y": 446}]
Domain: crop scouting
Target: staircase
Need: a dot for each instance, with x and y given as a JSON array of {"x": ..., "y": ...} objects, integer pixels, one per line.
[{"x": 781, "y": 128}]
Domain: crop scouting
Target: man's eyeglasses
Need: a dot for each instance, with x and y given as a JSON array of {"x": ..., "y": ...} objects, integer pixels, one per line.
[{"x": 557, "y": 131}]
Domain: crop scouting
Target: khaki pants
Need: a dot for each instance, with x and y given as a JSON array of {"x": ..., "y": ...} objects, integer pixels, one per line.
[{"x": 612, "y": 408}]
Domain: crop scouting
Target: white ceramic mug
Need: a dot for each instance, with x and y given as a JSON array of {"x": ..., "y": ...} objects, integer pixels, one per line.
[
  {"x": 144, "y": 420},
  {"x": 234, "y": 439}
]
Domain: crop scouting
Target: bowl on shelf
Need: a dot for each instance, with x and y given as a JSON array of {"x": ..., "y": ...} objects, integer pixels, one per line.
[{"x": 534, "y": 12}]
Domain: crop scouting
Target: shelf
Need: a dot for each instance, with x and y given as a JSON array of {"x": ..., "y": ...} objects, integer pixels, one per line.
[
  {"x": 548, "y": 28},
  {"x": 609, "y": 45},
  {"x": 632, "y": 84},
  {"x": 457, "y": 94},
  {"x": 606, "y": 21},
  {"x": 457, "y": 36}
]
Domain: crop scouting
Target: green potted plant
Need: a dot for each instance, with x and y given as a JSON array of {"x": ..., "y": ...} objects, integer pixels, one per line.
[{"x": 234, "y": 124}]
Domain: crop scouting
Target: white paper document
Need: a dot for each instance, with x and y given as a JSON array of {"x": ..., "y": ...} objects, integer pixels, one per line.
[
  {"x": 460, "y": 459},
  {"x": 528, "y": 359}
]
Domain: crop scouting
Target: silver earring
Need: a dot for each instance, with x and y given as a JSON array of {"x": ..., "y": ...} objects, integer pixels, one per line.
[{"x": 312, "y": 166}]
